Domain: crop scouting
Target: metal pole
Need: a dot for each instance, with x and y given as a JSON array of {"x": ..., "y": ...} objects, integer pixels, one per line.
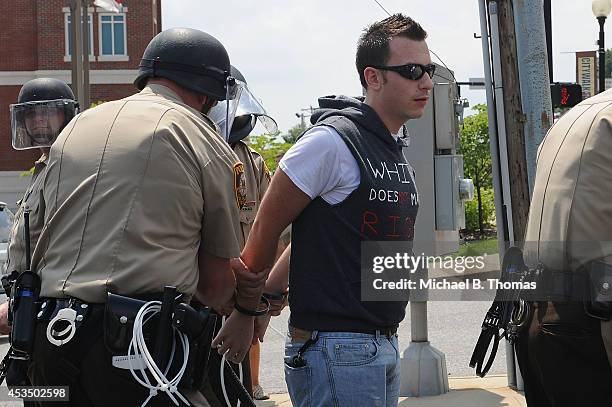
[
  {"x": 502, "y": 227},
  {"x": 73, "y": 34},
  {"x": 533, "y": 77},
  {"x": 86, "y": 51},
  {"x": 501, "y": 125},
  {"x": 77, "y": 51},
  {"x": 602, "y": 55},
  {"x": 548, "y": 25}
]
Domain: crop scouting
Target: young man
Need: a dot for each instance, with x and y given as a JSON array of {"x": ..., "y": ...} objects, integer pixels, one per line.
[{"x": 343, "y": 351}]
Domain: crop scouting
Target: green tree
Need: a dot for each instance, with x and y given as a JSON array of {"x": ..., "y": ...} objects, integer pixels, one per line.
[
  {"x": 608, "y": 63},
  {"x": 477, "y": 157},
  {"x": 294, "y": 132},
  {"x": 270, "y": 146}
]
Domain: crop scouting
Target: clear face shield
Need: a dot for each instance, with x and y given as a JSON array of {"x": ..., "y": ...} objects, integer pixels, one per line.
[
  {"x": 244, "y": 104},
  {"x": 37, "y": 124}
]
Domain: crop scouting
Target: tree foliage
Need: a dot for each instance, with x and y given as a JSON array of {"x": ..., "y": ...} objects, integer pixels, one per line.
[
  {"x": 477, "y": 161},
  {"x": 270, "y": 146},
  {"x": 608, "y": 63},
  {"x": 294, "y": 132}
]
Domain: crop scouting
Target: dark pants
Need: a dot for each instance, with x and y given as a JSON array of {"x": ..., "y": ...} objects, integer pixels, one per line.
[
  {"x": 84, "y": 364},
  {"x": 562, "y": 358}
]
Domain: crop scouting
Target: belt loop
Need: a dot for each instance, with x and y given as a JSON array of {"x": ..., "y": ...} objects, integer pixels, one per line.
[
  {"x": 378, "y": 336},
  {"x": 314, "y": 335}
]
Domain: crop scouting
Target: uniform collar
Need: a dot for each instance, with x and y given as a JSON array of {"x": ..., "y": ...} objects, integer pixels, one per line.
[
  {"x": 162, "y": 90},
  {"x": 166, "y": 92}
]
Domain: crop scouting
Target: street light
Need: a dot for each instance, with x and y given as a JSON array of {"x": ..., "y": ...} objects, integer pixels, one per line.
[{"x": 601, "y": 10}]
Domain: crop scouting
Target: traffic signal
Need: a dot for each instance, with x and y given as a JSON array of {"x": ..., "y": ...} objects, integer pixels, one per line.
[{"x": 565, "y": 95}]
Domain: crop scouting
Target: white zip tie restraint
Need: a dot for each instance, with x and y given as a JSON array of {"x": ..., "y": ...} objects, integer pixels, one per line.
[{"x": 139, "y": 348}]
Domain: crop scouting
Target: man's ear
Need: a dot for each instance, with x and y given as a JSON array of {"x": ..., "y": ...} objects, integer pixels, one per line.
[{"x": 374, "y": 78}]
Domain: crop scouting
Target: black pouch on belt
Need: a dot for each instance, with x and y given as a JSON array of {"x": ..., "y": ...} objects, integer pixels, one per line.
[
  {"x": 119, "y": 315},
  {"x": 599, "y": 303}
]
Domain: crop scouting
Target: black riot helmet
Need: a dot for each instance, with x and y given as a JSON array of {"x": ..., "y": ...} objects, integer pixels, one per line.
[
  {"x": 44, "y": 107},
  {"x": 44, "y": 89},
  {"x": 191, "y": 58},
  {"x": 242, "y": 113}
]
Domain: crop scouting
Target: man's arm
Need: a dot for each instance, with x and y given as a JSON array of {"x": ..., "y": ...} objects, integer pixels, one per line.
[
  {"x": 216, "y": 283},
  {"x": 283, "y": 202}
]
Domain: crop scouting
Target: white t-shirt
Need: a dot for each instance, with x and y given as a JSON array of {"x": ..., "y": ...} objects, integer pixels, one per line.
[{"x": 321, "y": 164}]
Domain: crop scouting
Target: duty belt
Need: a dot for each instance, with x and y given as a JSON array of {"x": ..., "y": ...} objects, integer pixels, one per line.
[{"x": 65, "y": 316}]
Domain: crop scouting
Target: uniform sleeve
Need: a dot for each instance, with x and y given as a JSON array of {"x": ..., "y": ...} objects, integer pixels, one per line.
[
  {"x": 223, "y": 188},
  {"x": 312, "y": 163}
]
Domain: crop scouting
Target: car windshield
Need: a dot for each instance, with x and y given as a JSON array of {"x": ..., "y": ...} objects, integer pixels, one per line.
[{"x": 6, "y": 220}]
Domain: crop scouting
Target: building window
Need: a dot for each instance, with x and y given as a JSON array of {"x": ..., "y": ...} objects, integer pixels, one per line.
[
  {"x": 68, "y": 36},
  {"x": 113, "y": 38}
]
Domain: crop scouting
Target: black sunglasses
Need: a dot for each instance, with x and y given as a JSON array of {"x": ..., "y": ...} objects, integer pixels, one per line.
[{"x": 411, "y": 71}]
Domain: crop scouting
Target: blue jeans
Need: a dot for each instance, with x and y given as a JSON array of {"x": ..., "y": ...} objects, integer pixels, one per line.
[{"x": 344, "y": 369}]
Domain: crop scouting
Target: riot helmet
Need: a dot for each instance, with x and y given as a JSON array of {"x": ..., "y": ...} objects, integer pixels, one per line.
[
  {"x": 242, "y": 113},
  {"x": 192, "y": 59},
  {"x": 44, "y": 107}
]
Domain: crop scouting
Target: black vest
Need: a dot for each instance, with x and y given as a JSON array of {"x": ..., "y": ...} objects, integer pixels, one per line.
[{"x": 325, "y": 270}]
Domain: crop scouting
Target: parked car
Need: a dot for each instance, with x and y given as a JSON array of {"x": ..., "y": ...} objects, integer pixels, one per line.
[{"x": 6, "y": 221}]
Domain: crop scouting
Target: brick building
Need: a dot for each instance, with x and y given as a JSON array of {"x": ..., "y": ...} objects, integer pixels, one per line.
[{"x": 36, "y": 41}]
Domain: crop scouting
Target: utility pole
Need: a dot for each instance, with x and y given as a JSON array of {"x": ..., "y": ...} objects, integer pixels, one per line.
[
  {"x": 514, "y": 120},
  {"x": 86, "y": 53},
  {"x": 80, "y": 51}
]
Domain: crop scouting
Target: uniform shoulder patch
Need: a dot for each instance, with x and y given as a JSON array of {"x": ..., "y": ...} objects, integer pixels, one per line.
[
  {"x": 266, "y": 171},
  {"x": 240, "y": 189}
]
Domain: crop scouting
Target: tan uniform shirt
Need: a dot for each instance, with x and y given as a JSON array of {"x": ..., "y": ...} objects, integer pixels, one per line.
[
  {"x": 570, "y": 218},
  {"x": 31, "y": 199},
  {"x": 133, "y": 188},
  {"x": 257, "y": 179}
]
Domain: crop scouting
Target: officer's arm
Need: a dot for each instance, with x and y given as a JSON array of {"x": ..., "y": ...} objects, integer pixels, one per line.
[
  {"x": 283, "y": 202},
  {"x": 216, "y": 282}
]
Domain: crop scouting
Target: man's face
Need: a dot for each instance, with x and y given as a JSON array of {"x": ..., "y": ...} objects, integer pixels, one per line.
[
  {"x": 404, "y": 97},
  {"x": 43, "y": 122}
]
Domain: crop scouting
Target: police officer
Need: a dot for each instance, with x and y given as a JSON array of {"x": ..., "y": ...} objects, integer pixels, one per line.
[
  {"x": 140, "y": 193},
  {"x": 44, "y": 107},
  {"x": 565, "y": 355},
  {"x": 257, "y": 177}
]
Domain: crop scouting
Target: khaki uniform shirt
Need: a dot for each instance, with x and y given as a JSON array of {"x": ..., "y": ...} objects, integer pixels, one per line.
[
  {"x": 570, "y": 218},
  {"x": 133, "y": 188},
  {"x": 31, "y": 199},
  {"x": 257, "y": 180}
]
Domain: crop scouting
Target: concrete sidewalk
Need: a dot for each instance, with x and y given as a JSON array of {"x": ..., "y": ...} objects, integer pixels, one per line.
[{"x": 492, "y": 391}]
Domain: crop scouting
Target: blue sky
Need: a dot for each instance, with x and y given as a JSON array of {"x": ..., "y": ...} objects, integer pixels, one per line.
[{"x": 291, "y": 52}]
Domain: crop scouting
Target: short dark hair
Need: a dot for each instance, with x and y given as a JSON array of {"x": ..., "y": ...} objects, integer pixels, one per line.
[{"x": 373, "y": 45}]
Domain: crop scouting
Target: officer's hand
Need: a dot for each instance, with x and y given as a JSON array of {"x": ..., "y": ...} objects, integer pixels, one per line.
[
  {"x": 235, "y": 337},
  {"x": 249, "y": 284},
  {"x": 5, "y": 329},
  {"x": 261, "y": 325},
  {"x": 226, "y": 309}
]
